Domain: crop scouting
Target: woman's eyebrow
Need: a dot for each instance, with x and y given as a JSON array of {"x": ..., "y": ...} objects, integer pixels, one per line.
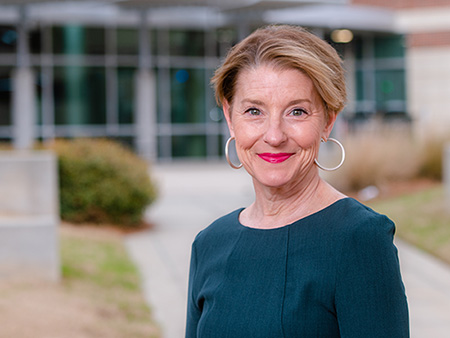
[
  {"x": 294, "y": 102},
  {"x": 256, "y": 102},
  {"x": 291, "y": 103}
]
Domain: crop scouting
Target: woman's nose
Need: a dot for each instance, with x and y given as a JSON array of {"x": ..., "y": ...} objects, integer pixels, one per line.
[{"x": 275, "y": 134}]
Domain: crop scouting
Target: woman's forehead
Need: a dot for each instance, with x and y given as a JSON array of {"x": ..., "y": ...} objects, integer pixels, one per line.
[{"x": 263, "y": 80}]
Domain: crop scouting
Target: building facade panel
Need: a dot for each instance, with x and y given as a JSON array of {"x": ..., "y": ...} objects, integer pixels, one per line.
[
  {"x": 429, "y": 90},
  {"x": 86, "y": 75}
]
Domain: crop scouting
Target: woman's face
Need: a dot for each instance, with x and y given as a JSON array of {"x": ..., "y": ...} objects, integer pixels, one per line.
[{"x": 278, "y": 119}]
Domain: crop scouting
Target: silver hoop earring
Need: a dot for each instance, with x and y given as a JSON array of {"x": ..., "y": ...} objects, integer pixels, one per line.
[
  {"x": 342, "y": 159},
  {"x": 227, "y": 145}
]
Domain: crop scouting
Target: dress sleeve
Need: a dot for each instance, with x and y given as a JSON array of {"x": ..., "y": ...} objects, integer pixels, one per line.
[
  {"x": 193, "y": 311},
  {"x": 370, "y": 295}
]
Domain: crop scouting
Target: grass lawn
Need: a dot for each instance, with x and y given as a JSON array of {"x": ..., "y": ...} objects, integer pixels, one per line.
[
  {"x": 95, "y": 265},
  {"x": 99, "y": 295},
  {"x": 422, "y": 219}
]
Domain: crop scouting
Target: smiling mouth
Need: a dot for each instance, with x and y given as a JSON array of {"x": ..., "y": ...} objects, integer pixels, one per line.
[{"x": 275, "y": 158}]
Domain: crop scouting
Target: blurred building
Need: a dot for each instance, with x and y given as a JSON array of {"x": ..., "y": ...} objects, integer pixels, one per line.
[{"x": 138, "y": 70}]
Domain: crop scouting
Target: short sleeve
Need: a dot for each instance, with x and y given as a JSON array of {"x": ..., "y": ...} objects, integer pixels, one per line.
[
  {"x": 193, "y": 311},
  {"x": 370, "y": 296}
]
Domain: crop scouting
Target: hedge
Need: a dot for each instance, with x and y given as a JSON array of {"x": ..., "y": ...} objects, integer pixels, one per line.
[{"x": 101, "y": 181}]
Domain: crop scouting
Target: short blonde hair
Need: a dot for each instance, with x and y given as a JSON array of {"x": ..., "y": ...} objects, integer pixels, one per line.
[{"x": 287, "y": 47}]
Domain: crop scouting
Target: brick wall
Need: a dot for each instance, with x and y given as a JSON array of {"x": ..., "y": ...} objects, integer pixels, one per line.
[
  {"x": 416, "y": 12},
  {"x": 429, "y": 39}
]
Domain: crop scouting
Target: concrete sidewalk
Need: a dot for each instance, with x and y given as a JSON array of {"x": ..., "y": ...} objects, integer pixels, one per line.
[{"x": 193, "y": 195}]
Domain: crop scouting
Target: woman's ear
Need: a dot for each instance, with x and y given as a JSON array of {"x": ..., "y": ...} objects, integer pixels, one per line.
[
  {"x": 329, "y": 125},
  {"x": 227, "y": 112}
]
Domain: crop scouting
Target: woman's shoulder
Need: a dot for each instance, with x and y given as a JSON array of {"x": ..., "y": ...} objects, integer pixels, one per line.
[
  {"x": 360, "y": 223},
  {"x": 220, "y": 227}
]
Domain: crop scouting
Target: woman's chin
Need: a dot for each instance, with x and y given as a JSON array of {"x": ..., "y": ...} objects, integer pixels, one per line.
[{"x": 274, "y": 180}]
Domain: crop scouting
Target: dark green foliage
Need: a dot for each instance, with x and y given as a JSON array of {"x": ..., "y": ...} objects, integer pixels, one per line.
[{"x": 102, "y": 182}]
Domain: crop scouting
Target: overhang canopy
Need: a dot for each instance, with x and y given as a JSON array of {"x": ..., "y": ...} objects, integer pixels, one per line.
[{"x": 328, "y": 14}]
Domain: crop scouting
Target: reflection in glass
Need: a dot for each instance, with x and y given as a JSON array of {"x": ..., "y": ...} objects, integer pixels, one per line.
[
  {"x": 225, "y": 39},
  {"x": 79, "y": 95},
  {"x": 187, "y": 43},
  {"x": 189, "y": 146},
  {"x": 5, "y": 96},
  {"x": 389, "y": 46},
  {"x": 188, "y": 95},
  {"x": 380, "y": 73},
  {"x": 127, "y": 41},
  {"x": 8, "y": 39},
  {"x": 390, "y": 88},
  {"x": 77, "y": 40},
  {"x": 35, "y": 40},
  {"x": 125, "y": 88}
]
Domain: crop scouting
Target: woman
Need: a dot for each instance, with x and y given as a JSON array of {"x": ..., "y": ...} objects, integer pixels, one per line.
[{"x": 303, "y": 260}]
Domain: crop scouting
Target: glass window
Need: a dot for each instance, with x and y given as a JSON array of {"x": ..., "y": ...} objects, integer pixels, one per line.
[
  {"x": 358, "y": 47},
  {"x": 188, "y": 95},
  {"x": 79, "y": 95},
  {"x": 390, "y": 88},
  {"x": 125, "y": 78},
  {"x": 38, "y": 92},
  {"x": 221, "y": 145},
  {"x": 75, "y": 39},
  {"x": 359, "y": 85},
  {"x": 35, "y": 37},
  {"x": 389, "y": 46},
  {"x": 225, "y": 38},
  {"x": 189, "y": 146},
  {"x": 8, "y": 39},
  {"x": 386, "y": 77},
  {"x": 5, "y": 96},
  {"x": 215, "y": 114},
  {"x": 95, "y": 40},
  {"x": 127, "y": 41},
  {"x": 153, "y": 41},
  {"x": 187, "y": 43},
  {"x": 68, "y": 40}
]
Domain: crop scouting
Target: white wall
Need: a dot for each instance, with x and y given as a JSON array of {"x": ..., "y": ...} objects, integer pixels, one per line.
[{"x": 428, "y": 78}]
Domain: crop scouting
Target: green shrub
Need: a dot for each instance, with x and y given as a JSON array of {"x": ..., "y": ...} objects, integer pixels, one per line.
[{"x": 102, "y": 182}]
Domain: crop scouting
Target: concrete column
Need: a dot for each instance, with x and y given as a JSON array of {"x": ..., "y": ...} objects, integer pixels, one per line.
[
  {"x": 145, "y": 98},
  {"x": 446, "y": 174},
  {"x": 145, "y": 114},
  {"x": 23, "y": 96},
  {"x": 23, "y": 106}
]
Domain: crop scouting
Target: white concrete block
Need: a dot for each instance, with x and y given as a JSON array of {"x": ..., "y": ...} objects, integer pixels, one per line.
[
  {"x": 29, "y": 248},
  {"x": 29, "y": 215},
  {"x": 28, "y": 183}
]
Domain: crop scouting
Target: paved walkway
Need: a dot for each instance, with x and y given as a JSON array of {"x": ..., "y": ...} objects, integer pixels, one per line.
[{"x": 193, "y": 195}]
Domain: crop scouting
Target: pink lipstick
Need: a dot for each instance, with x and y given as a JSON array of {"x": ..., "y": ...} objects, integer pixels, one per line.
[{"x": 275, "y": 157}]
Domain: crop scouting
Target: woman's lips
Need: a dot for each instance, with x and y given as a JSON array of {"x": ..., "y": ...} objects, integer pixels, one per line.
[{"x": 275, "y": 157}]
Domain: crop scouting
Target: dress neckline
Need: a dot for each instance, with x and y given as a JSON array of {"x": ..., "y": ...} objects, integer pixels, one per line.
[{"x": 315, "y": 214}]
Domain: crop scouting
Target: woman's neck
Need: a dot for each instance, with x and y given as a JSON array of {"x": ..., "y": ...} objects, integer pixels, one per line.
[{"x": 276, "y": 207}]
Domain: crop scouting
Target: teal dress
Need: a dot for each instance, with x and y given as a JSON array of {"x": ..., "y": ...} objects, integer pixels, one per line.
[{"x": 334, "y": 273}]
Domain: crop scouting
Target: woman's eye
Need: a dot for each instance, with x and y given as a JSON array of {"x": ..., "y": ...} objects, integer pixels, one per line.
[
  {"x": 298, "y": 112},
  {"x": 253, "y": 111}
]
